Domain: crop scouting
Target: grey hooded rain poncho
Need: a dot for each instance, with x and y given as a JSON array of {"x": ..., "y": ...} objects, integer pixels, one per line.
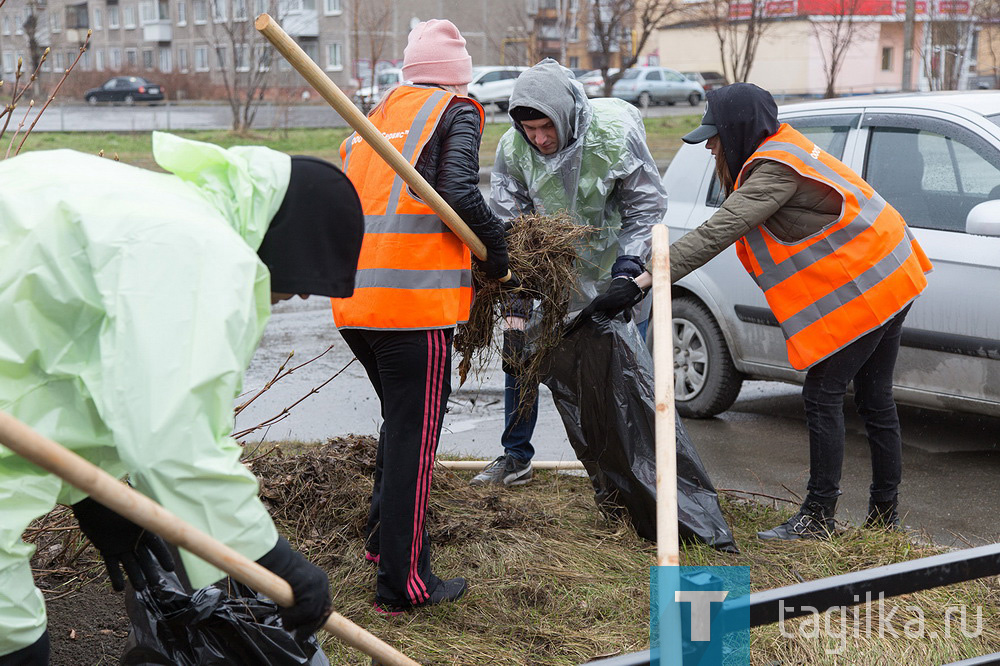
[{"x": 603, "y": 174}]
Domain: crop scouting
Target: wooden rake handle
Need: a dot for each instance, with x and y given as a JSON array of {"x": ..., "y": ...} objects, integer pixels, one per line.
[
  {"x": 318, "y": 79},
  {"x": 143, "y": 511}
]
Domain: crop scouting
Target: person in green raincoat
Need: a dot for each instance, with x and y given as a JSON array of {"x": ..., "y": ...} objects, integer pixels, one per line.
[
  {"x": 132, "y": 302},
  {"x": 588, "y": 158}
]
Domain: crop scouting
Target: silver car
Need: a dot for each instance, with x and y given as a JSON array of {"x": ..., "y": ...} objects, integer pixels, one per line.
[
  {"x": 657, "y": 85},
  {"x": 936, "y": 159}
]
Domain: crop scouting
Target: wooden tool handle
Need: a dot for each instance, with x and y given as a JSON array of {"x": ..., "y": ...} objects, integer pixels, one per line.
[
  {"x": 143, "y": 511},
  {"x": 318, "y": 79}
]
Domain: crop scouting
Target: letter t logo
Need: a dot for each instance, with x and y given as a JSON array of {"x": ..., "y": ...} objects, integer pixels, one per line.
[{"x": 701, "y": 606}]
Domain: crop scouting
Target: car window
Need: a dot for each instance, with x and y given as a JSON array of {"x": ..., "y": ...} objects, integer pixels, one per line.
[
  {"x": 933, "y": 178},
  {"x": 654, "y": 75},
  {"x": 674, "y": 76},
  {"x": 111, "y": 84},
  {"x": 490, "y": 77},
  {"x": 828, "y": 132},
  {"x": 629, "y": 74},
  {"x": 995, "y": 118}
]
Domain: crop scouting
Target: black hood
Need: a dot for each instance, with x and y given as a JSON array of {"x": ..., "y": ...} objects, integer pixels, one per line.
[
  {"x": 745, "y": 115},
  {"x": 313, "y": 242}
]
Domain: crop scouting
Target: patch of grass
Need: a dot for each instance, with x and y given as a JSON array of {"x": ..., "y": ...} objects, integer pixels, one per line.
[
  {"x": 552, "y": 581},
  {"x": 663, "y": 136}
]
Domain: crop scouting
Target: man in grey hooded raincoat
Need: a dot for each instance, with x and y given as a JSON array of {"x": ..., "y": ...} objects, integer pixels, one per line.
[{"x": 588, "y": 158}]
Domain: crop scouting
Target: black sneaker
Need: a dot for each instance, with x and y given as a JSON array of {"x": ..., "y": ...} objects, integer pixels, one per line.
[
  {"x": 504, "y": 471},
  {"x": 448, "y": 590},
  {"x": 813, "y": 521}
]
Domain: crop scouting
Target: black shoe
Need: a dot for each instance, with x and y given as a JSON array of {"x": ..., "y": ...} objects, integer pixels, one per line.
[
  {"x": 813, "y": 521},
  {"x": 447, "y": 590},
  {"x": 504, "y": 471},
  {"x": 883, "y": 515}
]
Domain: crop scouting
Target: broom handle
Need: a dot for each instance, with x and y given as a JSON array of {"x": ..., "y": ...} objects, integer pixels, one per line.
[
  {"x": 668, "y": 548},
  {"x": 318, "y": 79},
  {"x": 146, "y": 513}
]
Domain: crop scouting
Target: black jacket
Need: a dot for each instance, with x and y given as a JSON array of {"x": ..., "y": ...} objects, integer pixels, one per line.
[{"x": 450, "y": 163}]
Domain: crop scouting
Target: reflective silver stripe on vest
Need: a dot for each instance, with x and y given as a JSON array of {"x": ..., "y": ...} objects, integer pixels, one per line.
[
  {"x": 774, "y": 273},
  {"x": 348, "y": 147},
  {"x": 397, "y": 278},
  {"x": 848, "y": 292},
  {"x": 404, "y": 224},
  {"x": 412, "y": 143},
  {"x": 820, "y": 168}
]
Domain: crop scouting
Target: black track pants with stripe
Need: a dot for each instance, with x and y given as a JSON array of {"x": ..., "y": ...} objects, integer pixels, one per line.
[{"x": 411, "y": 373}]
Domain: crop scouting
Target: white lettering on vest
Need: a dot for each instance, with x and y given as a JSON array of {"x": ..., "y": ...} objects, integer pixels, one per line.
[
  {"x": 388, "y": 135},
  {"x": 815, "y": 152}
]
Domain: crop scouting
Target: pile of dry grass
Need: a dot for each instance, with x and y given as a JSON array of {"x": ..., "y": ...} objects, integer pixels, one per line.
[{"x": 543, "y": 252}]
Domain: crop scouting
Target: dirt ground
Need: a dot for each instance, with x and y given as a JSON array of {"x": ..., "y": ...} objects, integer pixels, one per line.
[{"x": 88, "y": 627}]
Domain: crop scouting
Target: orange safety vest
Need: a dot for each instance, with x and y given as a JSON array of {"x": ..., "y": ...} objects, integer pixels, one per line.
[
  {"x": 831, "y": 288},
  {"x": 414, "y": 273}
]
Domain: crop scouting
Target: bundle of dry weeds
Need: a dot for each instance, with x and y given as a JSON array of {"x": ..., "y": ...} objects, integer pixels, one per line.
[{"x": 543, "y": 251}]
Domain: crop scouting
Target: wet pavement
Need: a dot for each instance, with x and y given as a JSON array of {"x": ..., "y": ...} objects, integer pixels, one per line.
[{"x": 951, "y": 462}]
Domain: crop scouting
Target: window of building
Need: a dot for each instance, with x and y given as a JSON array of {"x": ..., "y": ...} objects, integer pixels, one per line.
[
  {"x": 116, "y": 58},
  {"x": 99, "y": 59},
  {"x": 201, "y": 58},
  {"x": 131, "y": 58},
  {"x": 19, "y": 24},
  {"x": 239, "y": 10},
  {"x": 334, "y": 57},
  {"x": 8, "y": 62},
  {"x": 262, "y": 56},
  {"x": 200, "y": 11},
  {"x": 241, "y": 57},
  {"x": 165, "y": 60},
  {"x": 6, "y": 25},
  {"x": 55, "y": 22},
  {"x": 220, "y": 56},
  {"x": 128, "y": 15},
  {"x": 113, "y": 21},
  {"x": 332, "y": 7},
  {"x": 312, "y": 50},
  {"x": 886, "y": 58},
  {"x": 182, "y": 60},
  {"x": 218, "y": 10},
  {"x": 60, "y": 61},
  {"x": 147, "y": 13},
  {"x": 163, "y": 10},
  {"x": 181, "y": 13},
  {"x": 98, "y": 18}
]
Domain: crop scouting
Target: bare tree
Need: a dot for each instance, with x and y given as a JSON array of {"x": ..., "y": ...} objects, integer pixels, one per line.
[
  {"x": 739, "y": 26},
  {"x": 370, "y": 21},
  {"x": 988, "y": 16},
  {"x": 624, "y": 27},
  {"x": 835, "y": 32},
  {"x": 31, "y": 26},
  {"x": 243, "y": 56},
  {"x": 951, "y": 34}
]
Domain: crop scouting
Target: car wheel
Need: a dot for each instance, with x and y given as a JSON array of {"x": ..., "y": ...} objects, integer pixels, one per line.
[
  {"x": 644, "y": 100},
  {"x": 694, "y": 98},
  {"x": 129, "y": 100},
  {"x": 92, "y": 100},
  {"x": 706, "y": 382}
]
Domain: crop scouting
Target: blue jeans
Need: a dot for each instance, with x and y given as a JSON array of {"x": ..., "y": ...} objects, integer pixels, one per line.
[
  {"x": 518, "y": 428},
  {"x": 869, "y": 362}
]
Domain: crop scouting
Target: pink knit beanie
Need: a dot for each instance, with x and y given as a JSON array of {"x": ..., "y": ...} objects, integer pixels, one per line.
[{"x": 435, "y": 53}]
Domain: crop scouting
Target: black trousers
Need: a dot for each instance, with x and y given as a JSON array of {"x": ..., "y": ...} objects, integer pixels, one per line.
[
  {"x": 869, "y": 362},
  {"x": 411, "y": 373}
]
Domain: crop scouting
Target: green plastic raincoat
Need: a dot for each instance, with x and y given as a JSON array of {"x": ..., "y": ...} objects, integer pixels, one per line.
[
  {"x": 603, "y": 174},
  {"x": 131, "y": 303}
]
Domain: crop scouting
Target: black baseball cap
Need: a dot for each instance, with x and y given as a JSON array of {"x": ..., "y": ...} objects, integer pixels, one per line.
[{"x": 702, "y": 132}]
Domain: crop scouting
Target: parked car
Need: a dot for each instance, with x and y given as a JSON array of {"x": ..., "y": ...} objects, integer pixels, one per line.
[
  {"x": 708, "y": 80},
  {"x": 578, "y": 71},
  {"x": 593, "y": 82},
  {"x": 385, "y": 79},
  {"x": 646, "y": 86},
  {"x": 936, "y": 159},
  {"x": 493, "y": 85},
  {"x": 127, "y": 89}
]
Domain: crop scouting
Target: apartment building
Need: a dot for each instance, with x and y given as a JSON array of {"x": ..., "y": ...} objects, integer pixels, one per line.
[{"x": 214, "y": 39}]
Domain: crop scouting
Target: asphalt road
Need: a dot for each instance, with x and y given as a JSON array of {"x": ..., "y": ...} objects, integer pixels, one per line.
[
  {"x": 80, "y": 117},
  {"x": 951, "y": 461}
]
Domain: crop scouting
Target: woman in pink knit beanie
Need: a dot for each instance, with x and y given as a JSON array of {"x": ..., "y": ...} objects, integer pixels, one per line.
[
  {"x": 435, "y": 53},
  {"x": 404, "y": 341}
]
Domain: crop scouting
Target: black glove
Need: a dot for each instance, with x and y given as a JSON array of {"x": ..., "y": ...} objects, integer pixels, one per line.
[
  {"x": 511, "y": 284},
  {"x": 310, "y": 586},
  {"x": 495, "y": 266},
  {"x": 512, "y": 357},
  {"x": 620, "y": 297},
  {"x": 627, "y": 265},
  {"x": 122, "y": 544}
]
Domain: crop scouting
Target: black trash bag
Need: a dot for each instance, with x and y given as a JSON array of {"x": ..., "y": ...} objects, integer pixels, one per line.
[
  {"x": 210, "y": 626},
  {"x": 601, "y": 377}
]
